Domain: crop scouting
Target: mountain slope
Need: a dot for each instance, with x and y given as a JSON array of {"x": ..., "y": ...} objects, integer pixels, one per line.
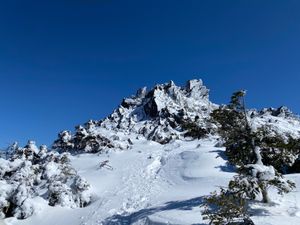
[
  {"x": 143, "y": 168},
  {"x": 157, "y": 184}
]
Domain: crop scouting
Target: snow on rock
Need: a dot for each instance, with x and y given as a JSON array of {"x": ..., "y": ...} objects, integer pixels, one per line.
[
  {"x": 32, "y": 146},
  {"x": 280, "y": 121},
  {"x": 157, "y": 114}
]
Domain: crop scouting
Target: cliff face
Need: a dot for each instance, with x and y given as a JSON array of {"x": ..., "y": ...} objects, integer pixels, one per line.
[{"x": 158, "y": 114}]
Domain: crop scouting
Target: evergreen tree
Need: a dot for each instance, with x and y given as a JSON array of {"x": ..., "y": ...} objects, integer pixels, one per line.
[
  {"x": 278, "y": 151},
  {"x": 243, "y": 148},
  {"x": 235, "y": 129},
  {"x": 254, "y": 180},
  {"x": 226, "y": 207},
  {"x": 64, "y": 142},
  {"x": 30, "y": 172},
  {"x": 193, "y": 129},
  {"x": 240, "y": 139}
]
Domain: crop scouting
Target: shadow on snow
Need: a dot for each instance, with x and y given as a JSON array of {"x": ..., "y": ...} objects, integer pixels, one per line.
[
  {"x": 144, "y": 213},
  {"x": 229, "y": 168}
]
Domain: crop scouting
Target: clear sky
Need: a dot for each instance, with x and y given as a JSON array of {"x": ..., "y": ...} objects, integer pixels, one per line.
[{"x": 63, "y": 62}]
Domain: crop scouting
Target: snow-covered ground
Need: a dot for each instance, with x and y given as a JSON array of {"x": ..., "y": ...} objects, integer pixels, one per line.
[{"x": 157, "y": 184}]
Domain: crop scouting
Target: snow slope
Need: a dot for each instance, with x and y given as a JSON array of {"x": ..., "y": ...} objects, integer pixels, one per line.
[
  {"x": 159, "y": 176},
  {"x": 157, "y": 184}
]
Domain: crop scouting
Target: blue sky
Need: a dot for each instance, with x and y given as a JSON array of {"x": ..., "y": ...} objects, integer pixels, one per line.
[{"x": 64, "y": 62}]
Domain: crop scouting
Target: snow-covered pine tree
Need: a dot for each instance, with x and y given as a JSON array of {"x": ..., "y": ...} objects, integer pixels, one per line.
[
  {"x": 234, "y": 128},
  {"x": 86, "y": 139},
  {"x": 30, "y": 170},
  {"x": 282, "y": 152},
  {"x": 254, "y": 180},
  {"x": 226, "y": 207},
  {"x": 193, "y": 129},
  {"x": 240, "y": 139},
  {"x": 64, "y": 142},
  {"x": 243, "y": 150}
]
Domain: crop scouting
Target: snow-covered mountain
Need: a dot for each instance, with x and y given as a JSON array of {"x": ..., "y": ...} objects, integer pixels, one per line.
[
  {"x": 157, "y": 114},
  {"x": 163, "y": 114},
  {"x": 140, "y": 165},
  {"x": 164, "y": 107}
]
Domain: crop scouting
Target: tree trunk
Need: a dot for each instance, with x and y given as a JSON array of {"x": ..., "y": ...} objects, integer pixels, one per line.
[{"x": 265, "y": 195}]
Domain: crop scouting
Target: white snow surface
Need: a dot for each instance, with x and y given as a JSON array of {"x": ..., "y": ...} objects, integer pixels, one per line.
[{"x": 157, "y": 184}]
